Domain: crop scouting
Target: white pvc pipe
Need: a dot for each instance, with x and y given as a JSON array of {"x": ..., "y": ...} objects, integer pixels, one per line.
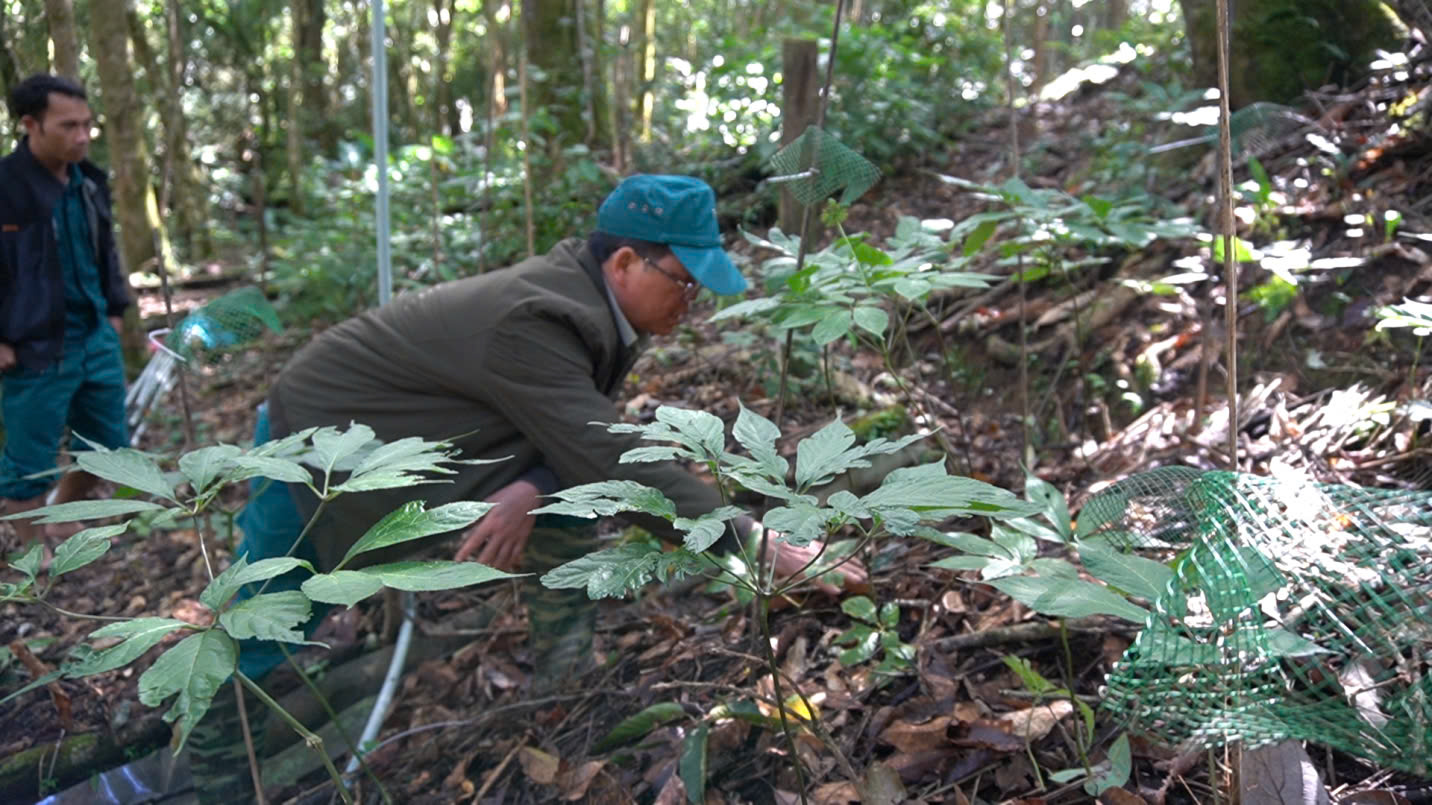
[
  {"x": 390, "y": 683},
  {"x": 379, "y": 91}
]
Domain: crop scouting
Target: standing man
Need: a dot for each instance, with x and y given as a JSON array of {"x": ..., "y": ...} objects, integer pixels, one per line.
[
  {"x": 514, "y": 363},
  {"x": 62, "y": 299}
]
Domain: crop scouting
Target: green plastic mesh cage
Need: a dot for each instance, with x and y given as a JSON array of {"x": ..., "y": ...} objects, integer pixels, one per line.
[
  {"x": 1296, "y": 610},
  {"x": 836, "y": 168},
  {"x": 224, "y": 325}
]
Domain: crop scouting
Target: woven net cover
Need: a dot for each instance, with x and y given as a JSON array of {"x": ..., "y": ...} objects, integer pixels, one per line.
[
  {"x": 225, "y": 325},
  {"x": 837, "y": 168},
  {"x": 1297, "y": 610}
]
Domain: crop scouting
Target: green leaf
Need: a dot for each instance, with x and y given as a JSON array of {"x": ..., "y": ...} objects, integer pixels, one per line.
[
  {"x": 1067, "y": 598},
  {"x": 607, "y": 574},
  {"x": 222, "y": 588},
  {"x": 271, "y": 616},
  {"x": 750, "y": 307},
  {"x": 863, "y": 650},
  {"x": 30, "y": 561},
  {"x": 640, "y": 725},
  {"x": 963, "y": 563},
  {"x": 194, "y": 669},
  {"x": 1133, "y": 574},
  {"x": 976, "y": 239},
  {"x": 606, "y": 498},
  {"x": 126, "y": 467},
  {"x": 701, "y": 431},
  {"x": 692, "y": 765},
  {"x": 1032, "y": 680},
  {"x": 204, "y": 466},
  {"x": 967, "y": 542},
  {"x": 85, "y": 510},
  {"x": 939, "y": 496},
  {"x": 798, "y": 523},
  {"x": 859, "y": 607},
  {"x": 83, "y": 548},
  {"x": 345, "y": 587},
  {"x": 412, "y": 522},
  {"x": 1099, "y": 206},
  {"x": 1283, "y": 643},
  {"x": 139, "y": 635},
  {"x": 1241, "y": 252},
  {"x": 333, "y": 446},
  {"x": 832, "y": 326},
  {"x": 759, "y": 435},
  {"x": 704, "y": 531},
  {"x": 1020, "y": 546},
  {"x": 1050, "y": 502},
  {"x": 1066, "y": 775},
  {"x": 1120, "y": 767},
  {"x": 38, "y": 682},
  {"x": 279, "y": 469},
  {"x": 872, "y": 319},
  {"x": 638, "y": 455},
  {"x": 422, "y": 576},
  {"x": 819, "y": 456}
]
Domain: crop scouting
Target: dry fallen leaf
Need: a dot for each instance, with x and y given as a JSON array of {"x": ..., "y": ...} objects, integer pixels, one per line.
[
  {"x": 986, "y": 734},
  {"x": 540, "y": 767},
  {"x": 1121, "y": 796},
  {"x": 1033, "y": 723},
  {"x": 881, "y": 786},
  {"x": 575, "y": 782},
  {"x": 842, "y": 793},
  {"x": 910, "y": 738}
]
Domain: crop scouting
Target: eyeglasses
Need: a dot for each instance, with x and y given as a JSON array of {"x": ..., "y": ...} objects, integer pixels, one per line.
[{"x": 689, "y": 287}]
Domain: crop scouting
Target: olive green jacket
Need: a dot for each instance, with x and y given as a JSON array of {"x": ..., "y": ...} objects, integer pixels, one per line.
[{"x": 513, "y": 363}]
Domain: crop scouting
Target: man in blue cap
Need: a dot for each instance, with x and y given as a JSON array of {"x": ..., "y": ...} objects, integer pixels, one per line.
[{"x": 514, "y": 363}]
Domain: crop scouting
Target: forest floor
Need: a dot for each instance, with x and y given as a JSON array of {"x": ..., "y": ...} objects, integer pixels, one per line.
[{"x": 1322, "y": 393}]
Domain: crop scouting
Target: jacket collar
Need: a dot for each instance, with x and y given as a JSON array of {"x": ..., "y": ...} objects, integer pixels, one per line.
[{"x": 40, "y": 177}]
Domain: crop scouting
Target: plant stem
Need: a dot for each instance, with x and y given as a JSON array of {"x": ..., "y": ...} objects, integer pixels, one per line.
[
  {"x": 249, "y": 743},
  {"x": 764, "y": 612},
  {"x": 313, "y": 741}
]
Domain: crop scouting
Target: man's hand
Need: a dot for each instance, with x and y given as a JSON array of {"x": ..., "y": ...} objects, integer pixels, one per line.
[
  {"x": 502, "y": 533},
  {"x": 7, "y": 357},
  {"x": 117, "y": 322},
  {"x": 789, "y": 559}
]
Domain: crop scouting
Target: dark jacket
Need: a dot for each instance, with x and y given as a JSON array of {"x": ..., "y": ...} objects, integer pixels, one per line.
[
  {"x": 514, "y": 363},
  {"x": 32, "y": 283}
]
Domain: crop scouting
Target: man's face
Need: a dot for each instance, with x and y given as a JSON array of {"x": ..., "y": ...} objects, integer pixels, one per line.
[
  {"x": 62, "y": 131},
  {"x": 654, "y": 295}
]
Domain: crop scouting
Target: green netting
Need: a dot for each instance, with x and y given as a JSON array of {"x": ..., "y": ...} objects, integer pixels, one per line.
[
  {"x": 224, "y": 325},
  {"x": 1296, "y": 611},
  {"x": 836, "y": 168}
]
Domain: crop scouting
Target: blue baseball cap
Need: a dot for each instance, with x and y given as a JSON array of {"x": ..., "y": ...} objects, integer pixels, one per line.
[{"x": 679, "y": 211}]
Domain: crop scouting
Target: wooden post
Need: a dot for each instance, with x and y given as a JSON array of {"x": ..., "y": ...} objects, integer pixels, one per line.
[{"x": 800, "y": 103}]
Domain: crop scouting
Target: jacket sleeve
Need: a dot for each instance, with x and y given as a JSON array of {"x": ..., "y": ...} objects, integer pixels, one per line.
[{"x": 538, "y": 375}]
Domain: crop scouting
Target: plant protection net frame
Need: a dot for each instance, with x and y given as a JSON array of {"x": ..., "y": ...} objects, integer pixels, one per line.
[
  {"x": 815, "y": 165},
  {"x": 224, "y": 325},
  {"x": 1296, "y": 610}
]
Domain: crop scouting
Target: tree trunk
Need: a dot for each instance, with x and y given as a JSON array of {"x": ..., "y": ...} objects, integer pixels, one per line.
[
  {"x": 1262, "y": 65},
  {"x": 1116, "y": 13},
  {"x": 297, "y": 103},
  {"x": 1040, "y": 67},
  {"x": 497, "y": 43},
  {"x": 135, "y": 208},
  {"x": 9, "y": 67},
  {"x": 309, "y": 19},
  {"x": 60, "y": 14},
  {"x": 800, "y": 104},
  {"x": 363, "y": 37},
  {"x": 648, "y": 67},
  {"x": 189, "y": 198},
  {"x": 550, "y": 33},
  {"x": 445, "y": 118}
]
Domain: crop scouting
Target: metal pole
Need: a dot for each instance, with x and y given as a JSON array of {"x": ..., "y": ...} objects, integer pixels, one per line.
[{"x": 380, "y": 148}]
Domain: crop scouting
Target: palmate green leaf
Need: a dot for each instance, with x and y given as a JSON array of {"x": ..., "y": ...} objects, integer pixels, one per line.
[
  {"x": 796, "y": 316},
  {"x": 290, "y": 445},
  {"x": 83, "y": 548},
  {"x": 204, "y": 466},
  {"x": 126, "y": 467},
  {"x": 332, "y": 446},
  {"x": 823, "y": 454},
  {"x": 279, "y": 469},
  {"x": 846, "y": 503},
  {"x": 1133, "y": 574},
  {"x": 341, "y": 587},
  {"x": 1051, "y": 502},
  {"x": 1067, "y": 598},
  {"x": 271, "y": 616},
  {"x": 700, "y": 431},
  {"x": 981, "y": 234},
  {"x": 832, "y": 326},
  {"x": 411, "y": 521},
  {"x": 1020, "y": 546},
  {"x": 963, "y": 563},
  {"x": 606, "y": 498},
  {"x": 867, "y": 642},
  {"x": 30, "y": 561},
  {"x": 608, "y": 574},
  {"x": 389, "y": 479},
  {"x": 967, "y": 542},
  {"x": 749, "y": 307},
  {"x": 85, "y": 510},
  {"x": 928, "y": 490},
  {"x": 424, "y": 576},
  {"x": 759, "y": 436},
  {"x": 222, "y": 588},
  {"x": 692, "y": 765},
  {"x": 704, "y": 531},
  {"x": 139, "y": 635},
  {"x": 640, "y": 725},
  {"x": 404, "y": 454},
  {"x": 800, "y": 523},
  {"x": 859, "y": 607},
  {"x": 639, "y": 455},
  {"x": 764, "y": 486},
  {"x": 872, "y": 319},
  {"x": 194, "y": 669}
]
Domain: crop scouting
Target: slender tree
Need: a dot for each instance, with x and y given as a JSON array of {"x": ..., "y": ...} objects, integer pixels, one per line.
[
  {"x": 60, "y": 15},
  {"x": 555, "y": 68},
  {"x": 189, "y": 198}
]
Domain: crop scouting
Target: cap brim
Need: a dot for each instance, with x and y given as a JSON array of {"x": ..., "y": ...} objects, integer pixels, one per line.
[{"x": 711, "y": 267}]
